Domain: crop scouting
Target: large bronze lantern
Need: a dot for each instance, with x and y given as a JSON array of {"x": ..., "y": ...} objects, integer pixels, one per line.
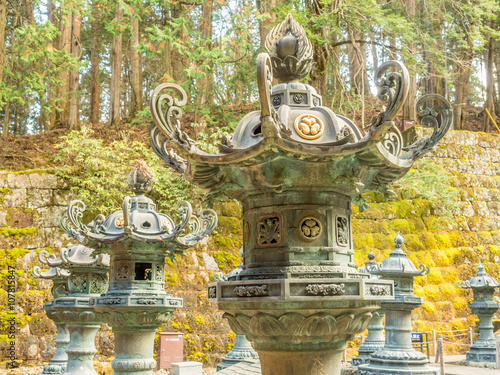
[{"x": 296, "y": 166}]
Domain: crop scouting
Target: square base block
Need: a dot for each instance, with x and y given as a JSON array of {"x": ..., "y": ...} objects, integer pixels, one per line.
[{"x": 187, "y": 368}]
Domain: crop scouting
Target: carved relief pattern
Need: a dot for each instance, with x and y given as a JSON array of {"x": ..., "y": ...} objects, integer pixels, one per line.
[
  {"x": 246, "y": 233},
  {"x": 291, "y": 326},
  {"x": 146, "y": 301},
  {"x": 342, "y": 231},
  {"x": 99, "y": 284},
  {"x": 325, "y": 289},
  {"x": 251, "y": 290},
  {"x": 379, "y": 290},
  {"x": 318, "y": 367},
  {"x": 122, "y": 271},
  {"x": 310, "y": 228},
  {"x": 112, "y": 301},
  {"x": 212, "y": 292},
  {"x": 159, "y": 273},
  {"x": 269, "y": 230}
]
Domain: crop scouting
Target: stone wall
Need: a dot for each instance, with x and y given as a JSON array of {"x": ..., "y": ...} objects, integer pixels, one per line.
[{"x": 451, "y": 243}]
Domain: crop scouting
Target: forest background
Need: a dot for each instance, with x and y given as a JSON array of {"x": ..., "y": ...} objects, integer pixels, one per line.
[{"x": 70, "y": 62}]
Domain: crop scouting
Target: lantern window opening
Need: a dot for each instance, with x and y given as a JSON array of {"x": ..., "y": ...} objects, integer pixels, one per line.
[{"x": 143, "y": 271}]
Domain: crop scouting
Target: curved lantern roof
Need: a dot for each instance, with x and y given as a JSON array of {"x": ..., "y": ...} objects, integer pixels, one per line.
[
  {"x": 482, "y": 280},
  {"x": 139, "y": 221},
  {"x": 397, "y": 264},
  {"x": 294, "y": 142}
]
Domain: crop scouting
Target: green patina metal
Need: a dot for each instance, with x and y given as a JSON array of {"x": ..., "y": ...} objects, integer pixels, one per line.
[
  {"x": 59, "y": 277},
  {"x": 296, "y": 166},
  {"x": 484, "y": 306},
  {"x": 138, "y": 239},
  {"x": 398, "y": 357},
  {"x": 87, "y": 279},
  {"x": 375, "y": 339}
]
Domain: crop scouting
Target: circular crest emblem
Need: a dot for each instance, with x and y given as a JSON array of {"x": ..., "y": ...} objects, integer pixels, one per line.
[
  {"x": 119, "y": 222},
  {"x": 309, "y": 126},
  {"x": 310, "y": 228}
]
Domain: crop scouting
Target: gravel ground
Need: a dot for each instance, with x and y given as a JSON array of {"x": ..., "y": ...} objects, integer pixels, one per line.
[{"x": 35, "y": 370}]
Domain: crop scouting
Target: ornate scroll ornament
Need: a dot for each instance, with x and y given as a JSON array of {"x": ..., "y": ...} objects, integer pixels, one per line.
[
  {"x": 158, "y": 143},
  {"x": 168, "y": 121},
  {"x": 199, "y": 227},
  {"x": 424, "y": 270},
  {"x": 438, "y": 116},
  {"x": 251, "y": 291},
  {"x": 66, "y": 225},
  {"x": 393, "y": 141},
  {"x": 75, "y": 212},
  {"x": 291, "y": 52},
  {"x": 391, "y": 80},
  {"x": 325, "y": 289}
]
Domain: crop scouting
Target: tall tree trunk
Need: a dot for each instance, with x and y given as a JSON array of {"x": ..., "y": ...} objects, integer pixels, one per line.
[
  {"x": 135, "y": 66},
  {"x": 176, "y": 57},
  {"x": 95, "y": 85},
  {"x": 206, "y": 83},
  {"x": 6, "y": 119},
  {"x": 374, "y": 52},
  {"x": 357, "y": 65},
  {"x": 489, "y": 103},
  {"x": 462, "y": 76},
  {"x": 266, "y": 9},
  {"x": 62, "y": 117},
  {"x": 3, "y": 24},
  {"x": 319, "y": 75},
  {"x": 409, "y": 105},
  {"x": 116, "y": 70},
  {"x": 74, "y": 77}
]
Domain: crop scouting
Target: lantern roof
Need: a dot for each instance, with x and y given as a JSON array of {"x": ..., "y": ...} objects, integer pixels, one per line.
[
  {"x": 139, "y": 221},
  {"x": 294, "y": 142},
  {"x": 397, "y": 264},
  {"x": 480, "y": 281}
]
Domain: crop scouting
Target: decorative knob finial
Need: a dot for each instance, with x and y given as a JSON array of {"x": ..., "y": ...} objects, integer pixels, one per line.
[
  {"x": 480, "y": 269},
  {"x": 399, "y": 240},
  {"x": 141, "y": 178},
  {"x": 371, "y": 256}
]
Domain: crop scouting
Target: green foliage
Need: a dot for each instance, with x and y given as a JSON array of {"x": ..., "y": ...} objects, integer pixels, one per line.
[
  {"x": 432, "y": 182},
  {"x": 98, "y": 172}
]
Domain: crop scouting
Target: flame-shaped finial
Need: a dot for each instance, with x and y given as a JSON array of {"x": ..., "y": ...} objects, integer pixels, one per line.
[
  {"x": 371, "y": 256},
  {"x": 290, "y": 51},
  {"x": 141, "y": 178}
]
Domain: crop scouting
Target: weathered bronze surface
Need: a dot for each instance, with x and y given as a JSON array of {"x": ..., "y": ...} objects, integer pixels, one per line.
[
  {"x": 484, "y": 306},
  {"x": 296, "y": 166},
  {"x": 397, "y": 356},
  {"x": 138, "y": 239}
]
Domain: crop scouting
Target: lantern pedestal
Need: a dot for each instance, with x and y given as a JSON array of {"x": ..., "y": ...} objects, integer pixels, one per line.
[
  {"x": 374, "y": 341},
  {"x": 58, "y": 363},
  {"x": 242, "y": 350}
]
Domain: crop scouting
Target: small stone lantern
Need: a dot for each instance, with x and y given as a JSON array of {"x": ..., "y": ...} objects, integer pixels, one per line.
[
  {"x": 484, "y": 306},
  {"x": 375, "y": 339},
  {"x": 296, "y": 167},
  {"x": 59, "y": 277},
  {"x": 87, "y": 280},
  {"x": 398, "y": 357},
  {"x": 242, "y": 349},
  {"x": 138, "y": 239}
]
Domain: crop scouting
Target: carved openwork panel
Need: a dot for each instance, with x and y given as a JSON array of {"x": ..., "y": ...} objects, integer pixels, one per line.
[
  {"x": 342, "y": 226},
  {"x": 99, "y": 284},
  {"x": 159, "y": 273},
  {"x": 310, "y": 228},
  {"x": 78, "y": 283},
  {"x": 122, "y": 271},
  {"x": 269, "y": 230}
]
